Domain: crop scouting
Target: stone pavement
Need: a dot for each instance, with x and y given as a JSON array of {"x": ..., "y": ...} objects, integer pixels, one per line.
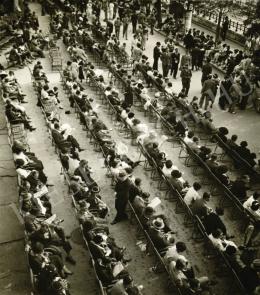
[{"x": 14, "y": 275}]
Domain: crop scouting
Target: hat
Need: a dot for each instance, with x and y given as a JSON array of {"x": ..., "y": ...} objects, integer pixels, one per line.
[
  {"x": 84, "y": 204},
  {"x": 256, "y": 264},
  {"x": 122, "y": 175},
  {"x": 95, "y": 189},
  {"x": 158, "y": 223},
  {"x": 26, "y": 196}
]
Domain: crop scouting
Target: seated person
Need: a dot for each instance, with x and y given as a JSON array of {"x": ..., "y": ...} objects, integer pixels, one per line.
[
  {"x": 240, "y": 186},
  {"x": 212, "y": 162},
  {"x": 15, "y": 117},
  {"x": 107, "y": 271},
  {"x": 200, "y": 206},
  {"x": 50, "y": 235},
  {"x": 39, "y": 258},
  {"x": 168, "y": 168},
  {"x": 255, "y": 210},
  {"x": 221, "y": 174},
  {"x": 212, "y": 221},
  {"x": 248, "y": 203},
  {"x": 102, "y": 246},
  {"x": 95, "y": 202},
  {"x": 84, "y": 172},
  {"x": 159, "y": 234},
  {"x": 192, "y": 194},
  {"x": 219, "y": 241},
  {"x": 177, "y": 181},
  {"x": 78, "y": 187},
  {"x": 174, "y": 252}
]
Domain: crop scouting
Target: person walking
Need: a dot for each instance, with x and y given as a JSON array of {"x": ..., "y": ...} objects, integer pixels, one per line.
[
  {"x": 208, "y": 92},
  {"x": 151, "y": 21},
  {"x": 122, "y": 188},
  {"x": 117, "y": 26},
  {"x": 156, "y": 55},
  {"x": 126, "y": 20},
  {"x": 134, "y": 20},
  {"x": 206, "y": 71},
  {"x": 186, "y": 75}
]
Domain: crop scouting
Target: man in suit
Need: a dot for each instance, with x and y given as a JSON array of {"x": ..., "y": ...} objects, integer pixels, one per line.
[
  {"x": 122, "y": 189},
  {"x": 206, "y": 71},
  {"x": 156, "y": 55},
  {"x": 208, "y": 92},
  {"x": 186, "y": 75},
  {"x": 175, "y": 60},
  {"x": 50, "y": 235}
]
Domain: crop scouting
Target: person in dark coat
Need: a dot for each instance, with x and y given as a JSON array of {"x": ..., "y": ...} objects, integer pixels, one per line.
[
  {"x": 175, "y": 60},
  {"x": 206, "y": 71},
  {"x": 156, "y": 55},
  {"x": 122, "y": 195},
  {"x": 188, "y": 41},
  {"x": 224, "y": 92},
  {"x": 225, "y": 28},
  {"x": 129, "y": 96},
  {"x": 84, "y": 172},
  {"x": 212, "y": 221}
]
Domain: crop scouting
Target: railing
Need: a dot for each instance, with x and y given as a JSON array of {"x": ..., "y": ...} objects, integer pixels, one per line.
[{"x": 235, "y": 26}]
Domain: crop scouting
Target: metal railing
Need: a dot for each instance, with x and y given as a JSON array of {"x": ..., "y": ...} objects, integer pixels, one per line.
[{"x": 212, "y": 16}]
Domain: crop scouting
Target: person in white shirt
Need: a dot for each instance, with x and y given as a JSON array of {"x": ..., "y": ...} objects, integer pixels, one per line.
[
  {"x": 174, "y": 252},
  {"x": 255, "y": 210},
  {"x": 168, "y": 168},
  {"x": 188, "y": 137},
  {"x": 169, "y": 89},
  {"x": 248, "y": 203},
  {"x": 192, "y": 193},
  {"x": 219, "y": 241}
]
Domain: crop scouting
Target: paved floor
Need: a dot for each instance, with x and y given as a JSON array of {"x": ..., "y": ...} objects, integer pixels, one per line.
[{"x": 124, "y": 233}]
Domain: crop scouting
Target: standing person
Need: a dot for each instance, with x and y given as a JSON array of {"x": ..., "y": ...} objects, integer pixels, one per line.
[
  {"x": 156, "y": 55},
  {"x": 195, "y": 52},
  {"x": 129, "y": 95},
  {"x": 122, "y": 195},
  {"x": 106, "y": 8},
  {"x": 206, "y": 71},
  {"x": 188, "y": 41},
  {"x": 111, "y": 10},
  {"x": 151, "y": 21},
  {"x": 224, "y": 97},
  {"x": 186, "y": 75},
  {"x": 126, "y": 20},
  {"x": 136, "y": 56},
  {"x": 117, "y": 26},
  {"x": 166, "y": 60},
  {"x": 144, "y": 37},
  {"x": 175, "y": 60},
  {"x": 134, "y": 20},
  {"x": 246, "y": 92},
  {"x": 208, "y": 92},
  {"x": 225, "y": 28},
  {"x": 115, "y": 10},
  {"x": 185, "y": 60},
  {"x": 235, "y": 95}
]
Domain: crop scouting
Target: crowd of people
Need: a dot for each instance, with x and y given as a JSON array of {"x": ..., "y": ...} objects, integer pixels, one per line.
[{"x": 81, "y": 26}]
